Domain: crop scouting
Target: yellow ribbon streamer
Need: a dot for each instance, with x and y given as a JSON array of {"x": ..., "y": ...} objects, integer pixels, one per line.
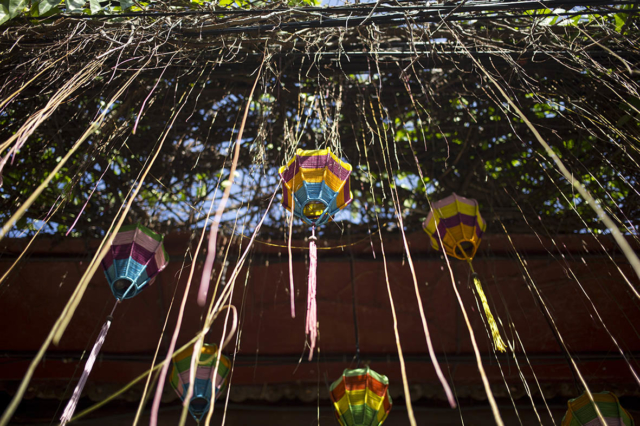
[{"x": 498, "y": 343}]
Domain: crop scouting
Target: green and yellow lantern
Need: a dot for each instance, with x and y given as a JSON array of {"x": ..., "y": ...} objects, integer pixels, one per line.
[{"x": 361, "y": 397}]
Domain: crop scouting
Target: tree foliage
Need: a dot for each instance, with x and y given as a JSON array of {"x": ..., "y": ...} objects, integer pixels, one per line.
[{"x": 406, "y": 104}]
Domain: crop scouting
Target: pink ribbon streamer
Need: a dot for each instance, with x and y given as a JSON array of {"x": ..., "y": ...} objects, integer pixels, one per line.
[
  {"x": 87, "y": 202},
  {"x": 73, "y": 402},
  {"x": 312, "y": 310}
]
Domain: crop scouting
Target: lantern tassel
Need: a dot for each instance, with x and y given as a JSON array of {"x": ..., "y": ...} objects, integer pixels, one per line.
[
  {"x": 73, "y": 402},
  {"x": 498, "y": 343},
  {"x": 312, "y": 316}
]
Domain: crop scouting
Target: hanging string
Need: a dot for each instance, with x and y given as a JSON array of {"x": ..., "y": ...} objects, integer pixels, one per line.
[
  {"x": 398, "y": 212},
  {"x": 292, "y": 289},
  {"x": 145, "y": 396},
  {"x": 60, "y": 325},
  {"x": 483, "y": 374},
  {"x": 403, "y": 369},
  {"x": 564, "y": 262},
  {"x": 624, "y": 245},
  {"x": 353, "y": 296},
  {"x": 163, "y": 373},
  {"x": 73, "y": 402},
  {"x": 213, "y": 233},
  {"x": 312, "y": 316},
  {"x": 532, "y": 287}
]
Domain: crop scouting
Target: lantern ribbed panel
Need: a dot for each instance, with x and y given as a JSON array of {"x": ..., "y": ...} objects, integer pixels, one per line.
[
  {"x": 203, "y": 393},
  {"x": 361, "y": 398},
  {"x": 581, "y": 411},
  {"x": 458, "y": 221},
  {"x": 136, "y": 256},
  {"x": 316, "y": 184}
]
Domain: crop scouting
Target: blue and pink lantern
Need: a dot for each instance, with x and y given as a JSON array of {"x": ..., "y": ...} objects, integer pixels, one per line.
[
  {"x": 136, "y": 256},
  {"x": 134, "y": 259}
]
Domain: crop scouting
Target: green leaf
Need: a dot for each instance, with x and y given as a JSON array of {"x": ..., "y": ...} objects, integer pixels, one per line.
[
  {"x": 126, "y": 4},
  {"x": 45, "y": 6},
  {"x": 16, "y": 6},
  {"x": 95, "y": 7},
  {"x": 9, "y": 9},
  {"x": 202, "y": 191},
  {"x": 4, "y": 11},
  {"x": 621, "y": 19},
  {"x": 75, "y": 6}
]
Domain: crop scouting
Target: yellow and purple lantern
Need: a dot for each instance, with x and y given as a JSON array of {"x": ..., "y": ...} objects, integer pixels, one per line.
[
  {"x": 581, "y": 411},
  {"x": 455, "y": 225},
  {"x": 135, "y": 258},
  {"x": 315, "y": 187},
  {"x": 210, "y": 380},
  {"x": 361, "y": 398}
]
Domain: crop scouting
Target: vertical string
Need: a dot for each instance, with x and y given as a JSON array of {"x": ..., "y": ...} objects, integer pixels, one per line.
[
  {"x": 353, "y": 296},
  {"x": 292, "y": 289},
  {"x": 204, "y": 286},
  {"x": 73, "y": 402},
  {"x": 312, "y": 316},
  {"x": 213, "y": 233}
]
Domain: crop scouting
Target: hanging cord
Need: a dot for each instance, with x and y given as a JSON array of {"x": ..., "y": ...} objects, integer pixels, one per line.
[
  {"x": 498, "y": 343},
  {"x": 565, "y": 352},
  {"x": 223, "y": 273},
  {"x": 353, "y": 296},
  {"x": 202, "y": 292},
  {"x": 579, "y": 382},
  {"x": 73, "y": 402},
  {"x": 292, "y": 289},
  {"x": 312, "y": 311},
  {"x": 213, "y": 233}
]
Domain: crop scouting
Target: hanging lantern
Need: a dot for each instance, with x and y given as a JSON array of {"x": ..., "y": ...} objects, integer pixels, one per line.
[
  {"x": 134, "y": 259},
  {"x": 456, "y": 226},
  {"x": 582, "y": 412},
  {"x": 361, "y": 397},
  {"x": 136, "y": 256},
  {"x": 315, "y": 187},
  {"x": 459, "y": 224},
  {"x": 204, "y": 393}
]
